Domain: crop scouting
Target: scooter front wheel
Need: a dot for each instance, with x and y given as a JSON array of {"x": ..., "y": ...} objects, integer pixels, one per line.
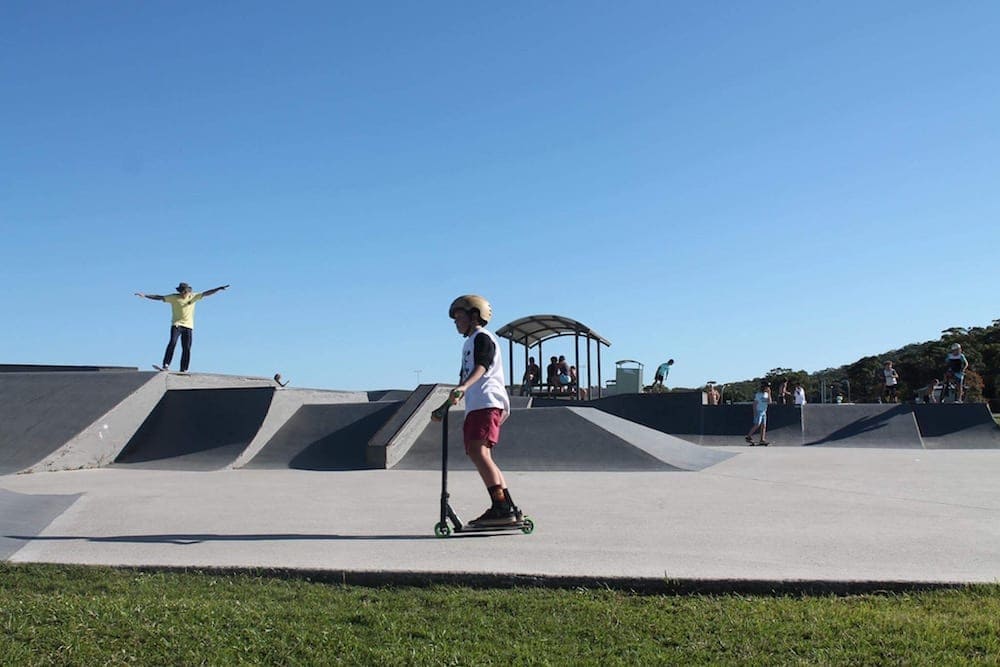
[
  {"x": 442, "y": 529},
  {"x": 528, "y": 526}
]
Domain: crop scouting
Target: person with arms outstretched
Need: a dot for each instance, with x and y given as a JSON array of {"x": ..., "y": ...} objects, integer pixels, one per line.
[{"x": 182, "y": 320}]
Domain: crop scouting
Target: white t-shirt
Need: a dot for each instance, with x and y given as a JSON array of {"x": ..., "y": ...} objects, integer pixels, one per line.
[
  {"x": 489, "y": 391},
  {"x": 890, "y": 376},
  {"x": 800, "y": 396},
  {"x": 761, "y": 400}
]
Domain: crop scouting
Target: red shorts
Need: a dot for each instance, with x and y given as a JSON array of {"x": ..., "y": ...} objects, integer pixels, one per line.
[{"x": 482, "y": 425}]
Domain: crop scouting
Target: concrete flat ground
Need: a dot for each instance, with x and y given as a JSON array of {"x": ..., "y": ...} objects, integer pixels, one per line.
[{"x": 767, "y": 514}]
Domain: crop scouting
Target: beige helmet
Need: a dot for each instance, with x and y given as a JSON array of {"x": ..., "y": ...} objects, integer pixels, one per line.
[
  {"x": 955, "y": 347},
  {"x": 470, "y": 302}
]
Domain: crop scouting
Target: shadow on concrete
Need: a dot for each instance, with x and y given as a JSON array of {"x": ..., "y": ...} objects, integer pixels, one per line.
[
  {"x": 891, "y": 426},
  {"x": 28, "y": 514},
  {"x": 200, "y": 538}
]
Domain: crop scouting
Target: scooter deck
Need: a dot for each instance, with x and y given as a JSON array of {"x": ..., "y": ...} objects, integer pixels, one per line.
[
  {"x": 525, "y": 526},
  {"x": 444, "y": 528}
]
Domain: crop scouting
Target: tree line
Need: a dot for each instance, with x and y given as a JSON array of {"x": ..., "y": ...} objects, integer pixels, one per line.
[{"x": 918, "y": 364}]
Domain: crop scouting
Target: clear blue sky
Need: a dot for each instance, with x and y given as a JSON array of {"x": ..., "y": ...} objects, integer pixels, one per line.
[{"x": 739, "y": 186}]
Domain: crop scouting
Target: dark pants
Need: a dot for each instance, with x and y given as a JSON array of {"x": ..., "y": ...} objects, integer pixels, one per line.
[{"x": 185, "y": 335}]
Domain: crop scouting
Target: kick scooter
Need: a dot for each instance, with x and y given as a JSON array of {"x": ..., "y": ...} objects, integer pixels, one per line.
[{"x": 442, "y": 529}]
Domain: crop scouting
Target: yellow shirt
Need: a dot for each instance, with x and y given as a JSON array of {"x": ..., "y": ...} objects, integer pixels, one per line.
[{"x": 183, "y": 308}]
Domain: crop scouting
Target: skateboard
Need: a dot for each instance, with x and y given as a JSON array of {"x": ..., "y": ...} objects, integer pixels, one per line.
[{"x": 167, "y": 370}]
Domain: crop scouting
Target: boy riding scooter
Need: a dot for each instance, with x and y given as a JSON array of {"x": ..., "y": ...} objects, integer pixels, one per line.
[{"x": 486, "y": 404}]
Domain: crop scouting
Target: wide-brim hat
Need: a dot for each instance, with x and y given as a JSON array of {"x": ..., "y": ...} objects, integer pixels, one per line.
[{"x": 183, "y": 287}]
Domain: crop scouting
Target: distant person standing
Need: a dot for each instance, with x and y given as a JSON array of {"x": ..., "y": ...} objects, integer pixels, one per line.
[
  {"x": 800, "y": 395},
  {"x": 662, "y": 371},
  {"x": 955, "y": 366},
  {"x": 891, "y": 381},
  {"x": 784, "y": 396},
  {"x": 760, "y": 402},
  {"x": 182, "y": 321},
  {"x": 713, "y": 394}
]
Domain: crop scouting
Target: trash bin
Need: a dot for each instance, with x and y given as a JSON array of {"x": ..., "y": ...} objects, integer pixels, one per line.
[{"x": 628, "y": 376}]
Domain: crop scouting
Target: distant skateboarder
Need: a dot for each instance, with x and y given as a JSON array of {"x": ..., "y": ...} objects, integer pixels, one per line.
[
  {"x": 891, "y": 381},
  {"x": 760, "y": 402},
  {"x": 662, "y": 371},
  {"x": 956, "y": 365},
  {"x": 182, "y": 321}
]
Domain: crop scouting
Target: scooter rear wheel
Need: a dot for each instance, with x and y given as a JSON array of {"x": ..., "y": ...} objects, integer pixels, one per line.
[{"x": 528, "y": 527}]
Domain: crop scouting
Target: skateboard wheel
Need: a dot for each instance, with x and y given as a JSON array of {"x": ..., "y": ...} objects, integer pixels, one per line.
[{"x": 442, "y": 529}]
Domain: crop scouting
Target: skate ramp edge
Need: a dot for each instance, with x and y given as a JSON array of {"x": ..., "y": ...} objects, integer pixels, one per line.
[
  {"x": 957, "y": 426},
  {"x": 402, "y": 430},
  {"x": 328, "y": 437},
  {"x": 672, "y": 450},
  {"x": 284, "y": 404},
  {"x": 98, "y": 444},
  {"x": 43, "y": 414},
  {"x": 197, "y": 429}
]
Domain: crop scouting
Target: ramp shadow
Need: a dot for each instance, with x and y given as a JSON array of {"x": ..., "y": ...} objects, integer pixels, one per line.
[{"x": 863, "y": 428}]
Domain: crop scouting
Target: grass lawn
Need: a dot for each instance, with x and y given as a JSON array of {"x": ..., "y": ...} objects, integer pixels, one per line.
[{"x": 58, "y": 615}]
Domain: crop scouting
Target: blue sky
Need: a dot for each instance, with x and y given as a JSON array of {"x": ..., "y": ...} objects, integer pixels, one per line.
[{"x": 739, "y": 186}]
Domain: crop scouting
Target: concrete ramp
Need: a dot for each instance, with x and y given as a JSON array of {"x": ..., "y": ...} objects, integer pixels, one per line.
[
  {"x": 325, "y": 437},
  {"x": 392, "y": 442},
  {"x": 41, "y": 412},
  {"x": 957, "y": 426},
  {"x": 565, "y": 439},
  {"x": 860, "y": 425},
  {"x": 197, "y": 429},
  {"x": 679, "y": 453}
]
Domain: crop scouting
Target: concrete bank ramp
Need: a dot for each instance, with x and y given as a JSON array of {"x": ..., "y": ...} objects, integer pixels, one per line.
[
  {"x": 565, "y": 439},
  {"x": 198, "y": 429},
  {"x": 957, "y": 426},
  {"x": 42, "y": 412},
  {"x": 325, "y": 437},
  {"x": 399, "y": 433},
  {"x": 860, "y": 425}
]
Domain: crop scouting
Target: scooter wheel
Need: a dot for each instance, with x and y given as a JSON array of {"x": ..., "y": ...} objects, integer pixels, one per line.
[
  {"x": 528, "y": 527},
  {"x": 442, "y": 529}
]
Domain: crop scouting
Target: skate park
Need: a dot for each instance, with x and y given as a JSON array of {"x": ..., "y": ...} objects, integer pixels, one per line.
[{"x": 123, "y": 467}]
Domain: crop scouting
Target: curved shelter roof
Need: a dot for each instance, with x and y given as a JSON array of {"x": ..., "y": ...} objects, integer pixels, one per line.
[{"x": 533, "y": 329}]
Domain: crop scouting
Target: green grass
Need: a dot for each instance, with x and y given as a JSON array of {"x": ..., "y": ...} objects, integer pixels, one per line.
[{"x": 55, "y": 615}]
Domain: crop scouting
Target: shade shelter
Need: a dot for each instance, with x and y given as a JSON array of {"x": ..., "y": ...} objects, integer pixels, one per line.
[{"x": 534, "y": 330}]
